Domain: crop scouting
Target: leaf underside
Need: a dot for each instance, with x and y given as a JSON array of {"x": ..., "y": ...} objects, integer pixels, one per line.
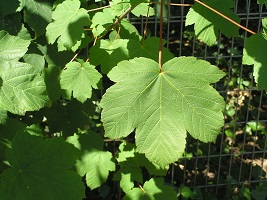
[
  {"x": 79, "y": 79},
  {"x": 162, "y": 106}
]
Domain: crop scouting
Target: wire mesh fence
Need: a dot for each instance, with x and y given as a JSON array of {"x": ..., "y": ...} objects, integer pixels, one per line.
[{"x": 239, "y": 155}]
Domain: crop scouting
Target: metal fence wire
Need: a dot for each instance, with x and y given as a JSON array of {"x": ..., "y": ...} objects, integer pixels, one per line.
[{"x": 239, "y": 155}]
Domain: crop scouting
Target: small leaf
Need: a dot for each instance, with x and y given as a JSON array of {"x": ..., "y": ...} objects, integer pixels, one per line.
[
  {"x": 79, "y": 79},
  {"x": 143, "y": 99},
  {"x": 128, "y": 174},
  {"x": 68, "y": 22},
  {"x": 39, "y": 170},
  {"x": 130, "y": 170},
  {"x": 101, "y": 21},
  {"x": 142, "y": 9},
  {"x": 154, "y": 189},
  {"x": 207, "y": 23},
  {"x": 128, "y": 31},
  {"x": 109, "y": 53},
  {"x": 94, "y": 163},
  {"x": 254, "y": 54}
]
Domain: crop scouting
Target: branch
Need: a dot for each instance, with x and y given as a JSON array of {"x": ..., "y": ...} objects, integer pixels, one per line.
[
  {"x": 225, "y": 17},
  {"x": 126, "y": 12}
]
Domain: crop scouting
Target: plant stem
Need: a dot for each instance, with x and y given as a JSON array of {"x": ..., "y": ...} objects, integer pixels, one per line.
[
  {"x": 225, "y": 17},
  {"x": 126, "y": 12},
  {"x": 100, "y": 8},
  {"x": 160, "y": 35},
  {"x": 75, "y": 55}
]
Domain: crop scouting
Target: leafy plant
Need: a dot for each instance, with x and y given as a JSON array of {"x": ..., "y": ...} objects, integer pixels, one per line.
[{"x": 58, "y": 103}]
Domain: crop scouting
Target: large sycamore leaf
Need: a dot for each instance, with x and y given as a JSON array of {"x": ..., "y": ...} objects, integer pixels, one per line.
[
  {"x": 254, "y": 53},
  {"x": 39, "y": 170},
  {"x": 154, "y": 189},
  {"x": 22, "y": 88},
  {"x": 79, "y": 79},
  {"x": 207, "y": 23},
  {"x": 162, "y": 106},
  {"x": 94, "y": 163},
  {"x": 68, "y": 23}
]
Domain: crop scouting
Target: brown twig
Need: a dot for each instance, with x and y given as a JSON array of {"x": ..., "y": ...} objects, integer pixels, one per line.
[
  {"x": 144, "y": 34},
  {"x": 100, "y": 8},
  {"x": 160, "y": 35},
  {"x": 75, "y": 56},
  {"x": 118, "y": 33},
  {"x": 225, "y": 17}
]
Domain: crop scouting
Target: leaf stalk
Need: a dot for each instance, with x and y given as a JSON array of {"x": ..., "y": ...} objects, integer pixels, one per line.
[{"x": 160, "y": 35}]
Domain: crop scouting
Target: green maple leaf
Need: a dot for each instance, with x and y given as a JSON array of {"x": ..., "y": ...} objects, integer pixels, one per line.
[
  {"x": 79, "y": 79},
  {"x": 207, "y": 23},
  {"x": 96, "y": 165},
  {"x": 130, "y": 170},
  {"x": 37, "y": 14},
  {"x": 162, "y": 106},
  {"x": 120, "y": 6},
  {"x": 254, "y": 53},
  {"x": 68, "y": 23},
  {"x": 127, "y": 175},
  {"x": 142, "y": 9},
  {"x": 154, "y": 189},
  {"x": 22, "y": 88},
  {"x": 102, "y": 21},
  {"x": 109, "y": 53},
  {"x": 39, "y": 170},
  {"x": 94, "y": 162}
]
